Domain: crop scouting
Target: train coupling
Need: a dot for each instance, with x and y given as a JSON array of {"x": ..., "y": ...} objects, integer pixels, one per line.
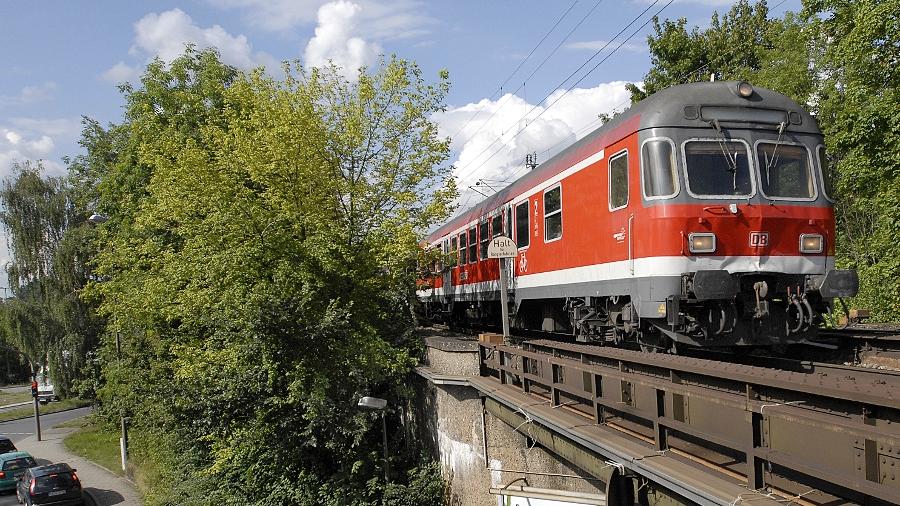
[
  {"x": 711, "y": 285},
  {"x": 835, "y": 283}
]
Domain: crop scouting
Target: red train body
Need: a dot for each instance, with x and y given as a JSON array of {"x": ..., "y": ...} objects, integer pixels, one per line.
[{"x": 701, "y": 215}]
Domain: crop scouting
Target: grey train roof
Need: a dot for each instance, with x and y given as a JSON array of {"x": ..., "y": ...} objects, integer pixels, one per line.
[{"x": 668, "y": 108}]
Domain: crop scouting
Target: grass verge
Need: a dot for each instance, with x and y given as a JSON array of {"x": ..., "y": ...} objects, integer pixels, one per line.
[
  {"x": 7, "y": 398},
  {"x": 97, "y": 445},
  {"x": 74, "y": 423},
  {"x": 53, "y": 407}
]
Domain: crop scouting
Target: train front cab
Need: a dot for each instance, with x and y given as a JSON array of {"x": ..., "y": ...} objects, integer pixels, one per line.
[{"x": 738, "y": 202}]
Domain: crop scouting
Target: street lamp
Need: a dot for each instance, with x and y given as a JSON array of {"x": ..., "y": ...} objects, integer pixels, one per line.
[
  {"x": 97, "y": 219},
  {"x": 376, "y": 404}
]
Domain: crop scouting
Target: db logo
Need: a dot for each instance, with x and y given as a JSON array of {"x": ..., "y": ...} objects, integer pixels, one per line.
[{"x": 759, "y": 239}]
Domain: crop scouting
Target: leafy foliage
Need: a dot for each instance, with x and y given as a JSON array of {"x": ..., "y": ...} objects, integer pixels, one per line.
[
  {"x": 743, "y": 44},
  {"x": 859, "y": 111},
  {"x": 257, "y": 263},
  {"x": 50, "y": 245}
]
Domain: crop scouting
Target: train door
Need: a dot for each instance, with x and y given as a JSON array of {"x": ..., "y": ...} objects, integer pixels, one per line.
[
  {"x": 447, "y": 273},
  {"x": 621, "y": 219}
]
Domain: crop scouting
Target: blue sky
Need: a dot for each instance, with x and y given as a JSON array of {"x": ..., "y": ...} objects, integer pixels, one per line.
[{"x": 62, "y": 60}]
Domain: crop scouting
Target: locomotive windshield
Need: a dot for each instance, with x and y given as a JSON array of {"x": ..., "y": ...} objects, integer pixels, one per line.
[
  {"x": 784, "y": 171},
  {"x": 718, "y": 168}
]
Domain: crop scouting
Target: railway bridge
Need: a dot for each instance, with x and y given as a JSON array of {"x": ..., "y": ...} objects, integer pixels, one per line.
[{"x": 573, "y": 424}]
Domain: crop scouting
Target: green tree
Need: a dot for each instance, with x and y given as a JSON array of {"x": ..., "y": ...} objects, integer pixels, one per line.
[
  {"x": 743, "y": 44},
  {"x": 258, "y": 263},
  {"x": 50, "y": 246},
  {"x": 858, "y": 68}
]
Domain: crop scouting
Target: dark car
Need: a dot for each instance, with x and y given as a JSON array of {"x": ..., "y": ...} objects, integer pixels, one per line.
[
  {"x": 54, "y": 484},
  {"x": 6, "y": 445}
]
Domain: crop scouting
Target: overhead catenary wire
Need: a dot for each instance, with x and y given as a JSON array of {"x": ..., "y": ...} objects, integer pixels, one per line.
[
  {"x": 615, "y": 109},
  {"x": 519, "y": 66},
  {"x": 561, "y": 96},
  {"x": 533, "y": 72}
]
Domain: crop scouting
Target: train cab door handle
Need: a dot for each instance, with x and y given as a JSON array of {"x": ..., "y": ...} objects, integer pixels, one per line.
[{"x": 631, "y": 243}]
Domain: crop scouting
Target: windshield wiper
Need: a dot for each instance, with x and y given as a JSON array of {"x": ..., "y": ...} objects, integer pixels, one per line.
[
  {"x": 770, "y": 162},
  {"x": 732, "y": 161}
]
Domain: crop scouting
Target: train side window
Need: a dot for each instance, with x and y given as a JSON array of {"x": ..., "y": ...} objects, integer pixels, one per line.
[
  {"x": 463, "y": 249},
  {"x": 497, "y": 225},
  {"x": 553, "y": 214},
  {"x": 454, "y": 252},
  {"x": 827, "y": 172},
  {"x": 485, "y": 237},
  {"x": 618, "y": 181},
  {"x": 658, "y": 169},
  {"x": 523, "y": 231},
  {"x": 473, "y": 245}
]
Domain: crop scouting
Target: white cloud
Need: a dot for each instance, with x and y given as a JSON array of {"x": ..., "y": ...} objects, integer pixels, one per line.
[
  {"x": 57, "y": 127},
  {"x": 35, "y": 139},
  {"x": 19, "y": 146},
  {"x": 334, "y": 40},
  {"x": 166, "y": 34},
  {"x": 29, "y": 95},
  {"x": 574, "y": 115},
  {"x": 275, "y": 15},
  {"x": 596, "y": 45},
  {"x": 382, "y": 19},
  {"x": 122, "y": 72}
]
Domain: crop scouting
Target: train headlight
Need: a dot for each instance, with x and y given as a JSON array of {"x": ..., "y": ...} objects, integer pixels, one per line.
[
  {"x": 744, "y": 89},
  {"x": 811, "y": 243},
  {"x": 702, "y": 242}
]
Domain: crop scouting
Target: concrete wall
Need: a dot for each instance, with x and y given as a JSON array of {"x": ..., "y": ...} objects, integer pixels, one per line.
[{"x": 452, "y": 425}]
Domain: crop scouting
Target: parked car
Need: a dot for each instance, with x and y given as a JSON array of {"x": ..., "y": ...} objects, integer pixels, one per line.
[
  {"x": 6, "y": 445},
  {"x": 54, "y": 484},
  {"x": 12, "y": 466}
]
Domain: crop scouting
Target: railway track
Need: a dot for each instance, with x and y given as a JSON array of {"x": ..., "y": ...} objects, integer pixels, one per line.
[
  {"x": 820, "y": 433},
  {"x": 867, "y": 346}
]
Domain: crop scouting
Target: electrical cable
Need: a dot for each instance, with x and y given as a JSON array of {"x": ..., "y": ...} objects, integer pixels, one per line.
[
  {"x": 500, "y": 89},
  {"x": 616, "y": 49},
  {"x": 533, "y": 72}
]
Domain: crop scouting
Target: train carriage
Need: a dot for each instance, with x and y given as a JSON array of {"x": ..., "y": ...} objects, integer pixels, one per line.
[{"x": 702, "y": 215}]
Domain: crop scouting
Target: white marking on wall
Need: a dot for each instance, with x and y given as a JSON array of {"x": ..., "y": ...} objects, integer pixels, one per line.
[
  {"x": 460, "y": 458},
  {"x": 496, "y": 473}
]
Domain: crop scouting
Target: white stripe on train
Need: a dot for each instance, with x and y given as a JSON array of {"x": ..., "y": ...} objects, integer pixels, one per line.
[{"x": 653, "y": 267}]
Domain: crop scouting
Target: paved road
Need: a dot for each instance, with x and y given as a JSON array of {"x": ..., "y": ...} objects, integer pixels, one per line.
[{"x": 18, "y": 430}]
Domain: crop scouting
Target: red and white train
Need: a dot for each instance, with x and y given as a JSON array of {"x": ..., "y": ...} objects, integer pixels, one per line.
[{"x": 702, "y": 215}]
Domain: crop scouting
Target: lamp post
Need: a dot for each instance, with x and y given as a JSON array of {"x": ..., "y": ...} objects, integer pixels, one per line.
[
  {"x": 376, "y": 404},
  {"x": 99, "y": 219}
]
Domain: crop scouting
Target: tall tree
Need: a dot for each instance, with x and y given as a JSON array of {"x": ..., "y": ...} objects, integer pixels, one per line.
[
  {"x": 858, "y": 96},
  {"x": 260, "y": 274},
  {"x": 50, "y": 246},
  {"x": 742, "y": 44}
]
